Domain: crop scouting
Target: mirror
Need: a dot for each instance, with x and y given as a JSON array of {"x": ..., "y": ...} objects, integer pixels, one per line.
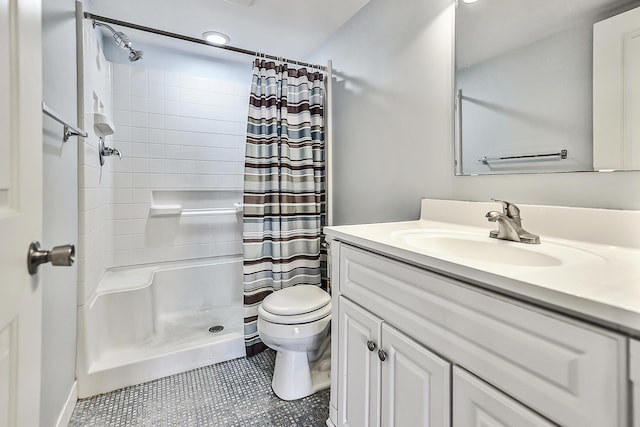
[{"x": 547, "y": 86}]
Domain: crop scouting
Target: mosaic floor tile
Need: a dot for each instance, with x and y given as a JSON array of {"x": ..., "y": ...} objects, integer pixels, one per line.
[{"x": 233, "y": 393}]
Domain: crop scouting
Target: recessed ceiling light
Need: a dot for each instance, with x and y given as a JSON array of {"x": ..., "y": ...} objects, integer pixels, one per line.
[
  {"x": 216, "y": 37},
  {"x": 469, "y": 1}
]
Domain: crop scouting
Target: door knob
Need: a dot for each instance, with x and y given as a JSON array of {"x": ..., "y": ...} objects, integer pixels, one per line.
[
  {"x": 382, "y": 355},
  {"x": 60, "y": 255},
  {"x": 371, "y": 345}
]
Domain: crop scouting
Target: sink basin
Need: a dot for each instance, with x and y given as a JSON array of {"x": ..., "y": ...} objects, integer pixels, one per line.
[{"x": 477, "y": 247}]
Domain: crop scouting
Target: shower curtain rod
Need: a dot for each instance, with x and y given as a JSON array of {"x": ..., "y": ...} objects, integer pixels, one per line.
[{"x": 106, "y": 20}]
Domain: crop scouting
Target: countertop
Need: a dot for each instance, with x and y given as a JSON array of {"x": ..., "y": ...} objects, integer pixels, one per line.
[{"x": 596, "y": 282}]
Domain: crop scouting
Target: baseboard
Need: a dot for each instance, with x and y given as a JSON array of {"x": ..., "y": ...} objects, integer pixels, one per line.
[{"x": 67, "y": 410}]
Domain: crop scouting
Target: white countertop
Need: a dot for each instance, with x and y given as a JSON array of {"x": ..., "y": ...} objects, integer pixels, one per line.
[{"x": 598, "y": 282}]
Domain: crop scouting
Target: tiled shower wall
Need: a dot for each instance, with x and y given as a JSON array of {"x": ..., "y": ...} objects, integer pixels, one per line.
[
  {"x": 182, "y": 142},
  {"x": 182, "y": 139}
]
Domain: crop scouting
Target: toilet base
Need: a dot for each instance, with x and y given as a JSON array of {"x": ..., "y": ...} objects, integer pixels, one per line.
[{"x": 294, "y": 377}]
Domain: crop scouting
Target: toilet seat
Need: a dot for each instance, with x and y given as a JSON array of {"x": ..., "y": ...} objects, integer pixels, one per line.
[
  {"x": 296, "y": 305},
  {"x": 295, "y": 319}
]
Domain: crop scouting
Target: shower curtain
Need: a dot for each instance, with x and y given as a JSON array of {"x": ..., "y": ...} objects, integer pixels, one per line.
[{"x": 284, "y": 187}]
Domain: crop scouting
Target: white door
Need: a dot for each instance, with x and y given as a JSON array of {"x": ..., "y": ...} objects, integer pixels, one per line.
[
  {"x": 358, "y": 367},
  {"x": 20, "y": 210},
  {"x": 416, "y": 384}
]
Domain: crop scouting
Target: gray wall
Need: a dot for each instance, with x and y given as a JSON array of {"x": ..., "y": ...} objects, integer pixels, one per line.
[
  {"x": 393, "y": 123},
  {"x": 60, "y": 209}
]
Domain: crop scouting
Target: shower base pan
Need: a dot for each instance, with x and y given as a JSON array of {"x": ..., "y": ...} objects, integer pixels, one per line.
[{"x": 132, "y": 335}]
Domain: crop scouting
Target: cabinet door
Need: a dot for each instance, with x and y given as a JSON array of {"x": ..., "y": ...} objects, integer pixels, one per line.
[
  {"x": 415, "y": 383},
  {"x": 358, "y": 366},
  {"x": 476, "y": 403}
]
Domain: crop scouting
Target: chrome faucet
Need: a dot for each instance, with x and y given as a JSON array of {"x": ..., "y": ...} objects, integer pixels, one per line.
[
  {"x": 510, "y": 224},
  {"x": 104, "y": 151},
  {"x": 107, "y": 151}
]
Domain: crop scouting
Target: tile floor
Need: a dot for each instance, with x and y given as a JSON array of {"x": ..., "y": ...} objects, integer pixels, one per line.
[{"x": 233, "y": 393}]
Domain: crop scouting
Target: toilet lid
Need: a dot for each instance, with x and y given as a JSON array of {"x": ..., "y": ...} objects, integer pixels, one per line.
[
  {"x": 296, "y": 300},
  {"x": 295, "y": 319}
]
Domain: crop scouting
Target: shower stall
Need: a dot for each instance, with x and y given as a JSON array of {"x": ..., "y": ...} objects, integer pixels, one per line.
[
  {"x": 160, "y": 239},
  {"x": 161, "y": 180}
]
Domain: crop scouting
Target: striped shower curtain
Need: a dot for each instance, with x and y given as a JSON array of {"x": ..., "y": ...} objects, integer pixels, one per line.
[{"x": 284, "y": 186}]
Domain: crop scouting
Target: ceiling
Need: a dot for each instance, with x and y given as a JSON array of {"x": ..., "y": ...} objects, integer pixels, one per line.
[{"x": 289, "y": 28}]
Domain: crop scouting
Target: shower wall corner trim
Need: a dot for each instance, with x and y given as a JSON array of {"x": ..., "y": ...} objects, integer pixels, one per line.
[{"x": 329, "y": 143}]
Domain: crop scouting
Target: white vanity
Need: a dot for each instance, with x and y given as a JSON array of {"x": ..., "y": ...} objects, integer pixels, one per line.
[{"x": 436, "y": 324}]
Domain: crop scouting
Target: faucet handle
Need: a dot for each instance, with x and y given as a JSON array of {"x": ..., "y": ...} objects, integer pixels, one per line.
[{"x": 510, "y": 210}]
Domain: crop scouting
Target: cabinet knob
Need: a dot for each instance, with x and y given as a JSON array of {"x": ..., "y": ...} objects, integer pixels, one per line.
[
  {"x": 382, "y": 355},
  {"x": 371, "y": 345}
]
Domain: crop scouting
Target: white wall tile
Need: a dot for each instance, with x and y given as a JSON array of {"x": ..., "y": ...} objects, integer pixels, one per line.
[
  {"x": 172, "y": 152},
  {"x": 140, "y": 210},
  {"x": 122, "y": 165},
  {"x": 139, "y": 119},
  {"x": 156, "y": 106},
  {"x": 156, "y": 91},
  {"x": 122, "y": 195},
  {"x": 139, "y": 75},
  {"x": 121, "y": 211},
  {"x": 156, "y": 76},
  {"x": 139, "y": 149},
  {"x": 121, "y": 72},
  {"x": 156, "y": 136},
  {"x": 171, "y": 79},
  {"x": 122, "y": 180},
  {"x": 141, "y": 89},
  {"x": 156, "y": 121},
  {"x": 122, "y": 133},
  {"x": 171, "y": 93},
  {"x": 141, "y": 180},
  {"x": 140, "y": 134},
  {"x": 140, "y": 196},
  {"x": 122, "y": 118},
  {"x": 140, "y": 165},
  {"x": 156, "y": 151},
  {"x": 172, "y": 108},
  {"x": 140, "y": 103},
  {"x": 188, "y": 152},
  {"x": 122, "y": 102},
  {"x": 173, "y": 122}
]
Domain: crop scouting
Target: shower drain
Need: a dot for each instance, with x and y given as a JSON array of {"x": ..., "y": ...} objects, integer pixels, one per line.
[{"x": 216, "y": 328}]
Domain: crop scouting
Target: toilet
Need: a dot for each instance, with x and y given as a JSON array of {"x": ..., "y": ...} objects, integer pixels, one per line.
[{"x": 295, "y": 322}]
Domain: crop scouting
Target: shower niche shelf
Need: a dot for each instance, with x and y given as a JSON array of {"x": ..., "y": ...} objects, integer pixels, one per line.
[{"x": 195, "y": 203}]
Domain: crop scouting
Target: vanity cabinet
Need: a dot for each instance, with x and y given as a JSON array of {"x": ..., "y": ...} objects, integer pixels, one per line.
[
  {"x": 388, "y": 379},
  {"x": 522, "y": 365}
]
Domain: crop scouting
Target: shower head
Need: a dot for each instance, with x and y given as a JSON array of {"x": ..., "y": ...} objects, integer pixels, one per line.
[
  {"x": 121, "y": 40},
  {"x": 135, "y": 55}
]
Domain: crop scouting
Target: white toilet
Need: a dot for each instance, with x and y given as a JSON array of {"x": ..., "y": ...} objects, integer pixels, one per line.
[{"x": 295, "y": 322}]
